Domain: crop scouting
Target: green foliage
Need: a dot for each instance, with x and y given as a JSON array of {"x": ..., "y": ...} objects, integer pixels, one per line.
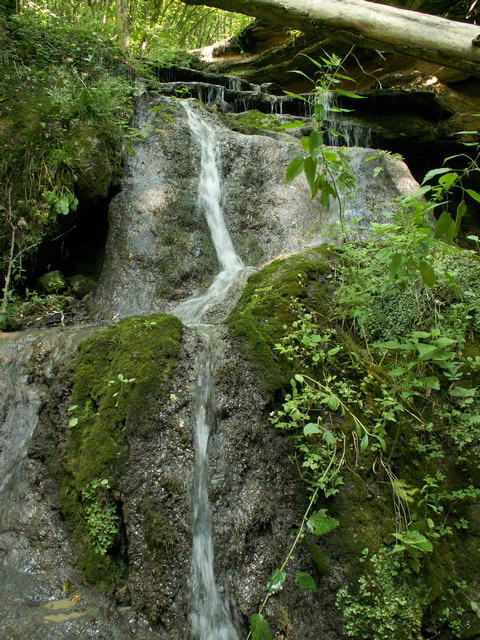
[
  {"x": 100, "y": 515},
  {"x": 413, "y": 237},
  {"x": 67, "y": 101},
  {"x": 102, "y": 416},
  {"x": 386, "y": 605},
  {"x": 382, "y": 418},
  {"x": 161, "y": 30},
  {"x": 327, "y": 170}
]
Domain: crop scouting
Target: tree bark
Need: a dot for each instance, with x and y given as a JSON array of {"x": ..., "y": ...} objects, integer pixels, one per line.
[
  {"x": 123, "y": 27},
  {"x": 367, "y": 24}
]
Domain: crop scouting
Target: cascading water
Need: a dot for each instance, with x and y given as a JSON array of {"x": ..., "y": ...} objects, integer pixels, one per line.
[
  {"x": 210, "y": 618},
  {"x": 348, "y": 133},
  {"x": 209, "y": 196}
]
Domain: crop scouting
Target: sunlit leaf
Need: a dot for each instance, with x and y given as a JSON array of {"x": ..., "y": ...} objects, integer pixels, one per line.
[
  {"x": 319, "y": 523},
  {"x": 434, "y": 172},
  {"x": 448, "y": 180},
  {"x": 425, "y": 349},
  {"x": 311, "y": 428},
  {"x": 473, "y": 194},
  {"x": 294, "y": 169},
  {"x": 364, "y": 443},
  {"x": 276, "y": 582}
]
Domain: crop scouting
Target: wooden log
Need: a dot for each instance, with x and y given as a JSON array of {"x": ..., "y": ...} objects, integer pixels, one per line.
[{"x": 367, "y": 24}]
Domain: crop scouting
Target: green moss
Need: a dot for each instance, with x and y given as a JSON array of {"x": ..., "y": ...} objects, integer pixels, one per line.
[
  {"x": 423, "y": 470},
  {"x": 117, "y": 373},
  {"x": 159, "y": 534},
  {"x": 257, "y": 321},
  {"x": 249, "y": 121}
]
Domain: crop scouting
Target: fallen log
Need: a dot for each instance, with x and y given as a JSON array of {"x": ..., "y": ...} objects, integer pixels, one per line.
[{"x": 371, "y": 25}]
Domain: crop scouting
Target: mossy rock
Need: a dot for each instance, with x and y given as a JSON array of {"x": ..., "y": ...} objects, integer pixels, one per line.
[
  {"x": 257, "y": 321},
  {"x": 117, "y": 373},
  {"x": 249, "y": 122}
]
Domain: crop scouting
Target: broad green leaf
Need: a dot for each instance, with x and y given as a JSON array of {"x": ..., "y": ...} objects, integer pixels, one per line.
[
  {"x": 333, "y": 403},
  {"x": 424, "y": 545},
  {"x": 305, "y": 580},
  {"x": 420, "y": 334},
  {"x": 299, "y": 377},
  {"x": 383, "y": 444},
  {"x": 310, "y": 167},
  {"x": 335, "y": 350},
  {"x": 444, "y": 342},
  {"x": 384, "y": 253},
  {"x": 275, "y": 584},
  {"x": 259, "y": 628},
  {"x": 461, "y": 211},
  {"x": 63, "y": 206},
  {"x": 294, "y": 169},
  {"x": 364, "y": 443},
  {"x": 444, "y": 226},
  {"x": 473, "y": 194},
  {"x": 329, "y": 437},
  {"x": 306, "y": 143},
  {"x": 448, "y": 180},
  {"x": 310, "y": 429},
  {"x": 315, "y": 143},
  {"x": 319, "y": 523},
  {"x": 434, "y": 172},
  {"x": 460, "y": 392},
  {"x": 427, "y": 273},
  {"x": 319, "y": 111},
  {"x": 72, "y": 422},
  {"x": 330, "y": 156},
  {"x": 391, "y": 344},
  {"x": 399, "y": 371},
  {"x": 425, "y": 349},
  {"x": 431, "y": 382},
  {"x": 395, "y": 265}
]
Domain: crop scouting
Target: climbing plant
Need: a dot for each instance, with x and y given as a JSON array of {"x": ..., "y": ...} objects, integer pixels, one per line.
[{"x": 326, "y": 169}]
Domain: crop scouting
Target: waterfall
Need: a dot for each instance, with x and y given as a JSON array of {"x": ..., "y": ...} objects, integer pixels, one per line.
[
  {"x": 209, "y": 197},
  {"x": 210, "y": 619},
  {"x": 347, "y": 133}
]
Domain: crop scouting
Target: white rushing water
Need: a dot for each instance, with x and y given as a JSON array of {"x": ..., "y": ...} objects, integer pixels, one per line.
[
  {"x": 209, "y": 199},
  {"x": 210, "y": 619}
]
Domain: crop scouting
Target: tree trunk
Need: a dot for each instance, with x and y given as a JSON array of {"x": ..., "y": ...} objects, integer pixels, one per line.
[
  {"x": 123, "y": 27},
  {"x": 367, "y": 24}
]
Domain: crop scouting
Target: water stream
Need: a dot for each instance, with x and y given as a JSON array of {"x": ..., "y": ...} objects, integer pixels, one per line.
[{"x": 210, "y": 619}]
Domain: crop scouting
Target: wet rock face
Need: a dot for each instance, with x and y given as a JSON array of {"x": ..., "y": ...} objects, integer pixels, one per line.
[
  {"x": 258, "y": 503},
  {"x": 159, "y": 249},
  {"x": 37, "y": 554}
]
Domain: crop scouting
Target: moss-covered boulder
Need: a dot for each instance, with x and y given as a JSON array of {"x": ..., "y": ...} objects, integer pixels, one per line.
[
  {"x": 379, "y": 431},
  {"x": 117, "y": 373},
  {"x": 269, "y": 304}
]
